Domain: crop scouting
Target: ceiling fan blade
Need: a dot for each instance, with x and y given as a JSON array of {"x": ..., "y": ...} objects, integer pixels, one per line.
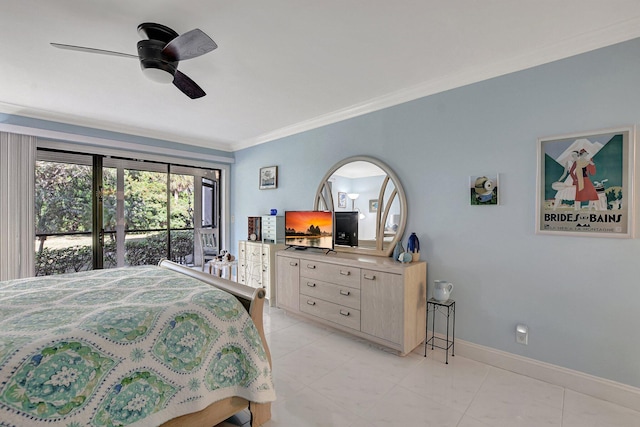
[
  {"x": 189, "y": 45},
  {"x": 187, "y": 86},
  {"x": 92, "y": 50}
]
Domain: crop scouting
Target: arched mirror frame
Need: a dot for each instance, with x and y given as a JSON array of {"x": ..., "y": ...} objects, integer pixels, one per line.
[{"x": 324, "y": 196}]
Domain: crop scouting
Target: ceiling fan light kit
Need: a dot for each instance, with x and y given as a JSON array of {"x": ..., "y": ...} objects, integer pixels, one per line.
[{"x": 160, "y": 54}]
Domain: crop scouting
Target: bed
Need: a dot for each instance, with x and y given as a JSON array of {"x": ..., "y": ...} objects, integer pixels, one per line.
[{"x": 138, "y": 346}]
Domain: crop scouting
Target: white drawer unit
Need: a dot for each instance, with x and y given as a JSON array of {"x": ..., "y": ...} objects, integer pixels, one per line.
[
  {"x": 375, "y": 298},
  {"x": 256, "y": 266},
  {"x": 272, "y": 229}
]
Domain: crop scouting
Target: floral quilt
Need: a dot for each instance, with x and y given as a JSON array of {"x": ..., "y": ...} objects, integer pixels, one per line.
[{"x": 130, "y": 346}]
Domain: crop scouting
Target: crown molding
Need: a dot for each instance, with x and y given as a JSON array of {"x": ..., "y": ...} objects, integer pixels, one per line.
[{"x": 582, "y": 43}]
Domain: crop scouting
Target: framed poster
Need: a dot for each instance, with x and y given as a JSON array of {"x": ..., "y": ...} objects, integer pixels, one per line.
[
  {"x": 342, "y": 199},
  {"x": 585, "y": 184},
  {"x": 268, "y": 177},
  {"x": 373, "y": 205},
  {"x": 484, "y": 190}
]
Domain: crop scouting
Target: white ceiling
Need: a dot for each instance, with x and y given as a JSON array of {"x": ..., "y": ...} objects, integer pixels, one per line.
[
  {"x": 282, "y": 66},
  {"x": 359, "y": 169}
]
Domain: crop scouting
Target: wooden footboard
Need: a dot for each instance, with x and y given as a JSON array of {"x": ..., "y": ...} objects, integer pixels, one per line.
[{"x": 253, "y": 301}]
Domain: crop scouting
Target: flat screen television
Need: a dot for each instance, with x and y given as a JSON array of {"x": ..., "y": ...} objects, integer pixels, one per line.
[
  {"x": 346, "y": 228},
  {"x": 309, "y": 229}
]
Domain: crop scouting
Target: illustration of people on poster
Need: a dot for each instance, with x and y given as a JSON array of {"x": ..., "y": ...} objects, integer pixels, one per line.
[{"x": 584, "y": 184}]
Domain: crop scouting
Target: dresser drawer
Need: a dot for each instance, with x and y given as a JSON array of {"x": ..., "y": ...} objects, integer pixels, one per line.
[
  {"x": 339, "y": 274},
  {"x": 256, "y": 253},
  {"x": 335, "y": 313},
  {"x": 256, "y": 280},
  {"x": 343, "y": 295},
  {"x": 252, "y": 271},
  {"x": 269, "y": 227},
  {"x": 254, "y": 265},
  {"x": 242, "y": 250},
  {"x": 269, "y": 221}
]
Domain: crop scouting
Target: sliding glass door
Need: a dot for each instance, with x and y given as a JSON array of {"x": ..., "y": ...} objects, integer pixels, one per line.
[
  {"x": 149, "y": 212},
  {"x": 63, "y": 211},
  {"x": 145, "y": 215}
]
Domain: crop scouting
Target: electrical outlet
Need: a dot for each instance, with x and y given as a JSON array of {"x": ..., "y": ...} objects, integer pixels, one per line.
[
  {"x": 522, "y": 334},
  {"x": 522, "y": 339},
  {"x": 233, "y": 219}
]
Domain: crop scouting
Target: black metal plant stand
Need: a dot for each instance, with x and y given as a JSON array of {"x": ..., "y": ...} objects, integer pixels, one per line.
[{"x": 434, "y": 305}]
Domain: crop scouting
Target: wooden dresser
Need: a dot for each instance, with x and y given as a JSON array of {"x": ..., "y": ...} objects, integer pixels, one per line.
[
  {"x": 375, "y": 298},
  {"x": 256, "y": 266}
]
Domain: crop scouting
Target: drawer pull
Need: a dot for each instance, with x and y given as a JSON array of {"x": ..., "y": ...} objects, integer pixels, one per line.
[
  {"x": 345, "y": 273},
  {"x": 345, "y": 313},
  {"x": 370, "y": 277},
  {"x": 311, "y": 285},
  {"x": 311, "y": 302},
  {"x": 293, "y": 264},
  {"x": 311, "y": 266},
  {"x": 345, "y": 293}
]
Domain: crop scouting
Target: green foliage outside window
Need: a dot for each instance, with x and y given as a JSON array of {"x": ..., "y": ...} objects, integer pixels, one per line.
[
  {"x": 148, "y": 250},
  {"x": 63, "y": 205}
]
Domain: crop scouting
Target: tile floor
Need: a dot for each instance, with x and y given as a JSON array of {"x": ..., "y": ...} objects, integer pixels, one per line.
[{"x": 327, "y": 378}]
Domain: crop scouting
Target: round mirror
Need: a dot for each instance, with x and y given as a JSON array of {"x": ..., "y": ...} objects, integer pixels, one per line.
[{"x": 369, "y": 205}]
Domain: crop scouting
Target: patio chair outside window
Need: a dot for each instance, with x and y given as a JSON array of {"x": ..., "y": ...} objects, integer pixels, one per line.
[{"x": 208, "y": 244}]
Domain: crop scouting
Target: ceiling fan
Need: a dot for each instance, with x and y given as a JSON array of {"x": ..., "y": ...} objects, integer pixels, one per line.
[{"x": 161, "y": 52}]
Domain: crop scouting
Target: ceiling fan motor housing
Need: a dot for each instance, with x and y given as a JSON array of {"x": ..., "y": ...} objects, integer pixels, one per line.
[
  {"x": 154, "y": 31},
  {"x": 153, "y": 63},
  {"x": 160, "y": 53}
]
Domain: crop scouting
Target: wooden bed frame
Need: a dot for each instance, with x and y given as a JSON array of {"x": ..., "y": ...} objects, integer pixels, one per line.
[{"x": 253, "y": 301}]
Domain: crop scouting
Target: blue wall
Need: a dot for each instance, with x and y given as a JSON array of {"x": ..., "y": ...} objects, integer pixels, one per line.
[{"x": 580, "y": 296}]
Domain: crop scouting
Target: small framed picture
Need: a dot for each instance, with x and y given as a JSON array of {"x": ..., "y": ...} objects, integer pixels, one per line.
[
  {"x": 342, "y": 200},
  {"x": 269, "y": 178},
  {"x": 484, "y": 190},
  {"x": 373, "y": 205}
]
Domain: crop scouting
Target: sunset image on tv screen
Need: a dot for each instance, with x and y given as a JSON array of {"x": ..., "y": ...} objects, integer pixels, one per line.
[
  {"x": 310, "y": 222},
  {"x": 309, "y": 229}
]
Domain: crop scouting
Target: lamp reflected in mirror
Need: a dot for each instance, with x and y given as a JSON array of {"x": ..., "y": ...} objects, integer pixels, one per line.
[{"x": 353, "y": 197}]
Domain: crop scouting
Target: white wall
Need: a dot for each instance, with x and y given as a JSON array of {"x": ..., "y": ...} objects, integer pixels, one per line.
[{"x": 580, "y": 296}]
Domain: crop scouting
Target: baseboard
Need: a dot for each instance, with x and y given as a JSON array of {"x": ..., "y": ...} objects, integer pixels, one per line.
[{"x": 611, "y": 391}]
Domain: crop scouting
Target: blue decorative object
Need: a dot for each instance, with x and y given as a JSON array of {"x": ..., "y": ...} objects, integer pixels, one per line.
[
  {"x": 274, "y": 211},
  {"x": 405, "y": 257},
  {"x": 413, "y": 246},
  {"x": 397, "y": 251}
]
